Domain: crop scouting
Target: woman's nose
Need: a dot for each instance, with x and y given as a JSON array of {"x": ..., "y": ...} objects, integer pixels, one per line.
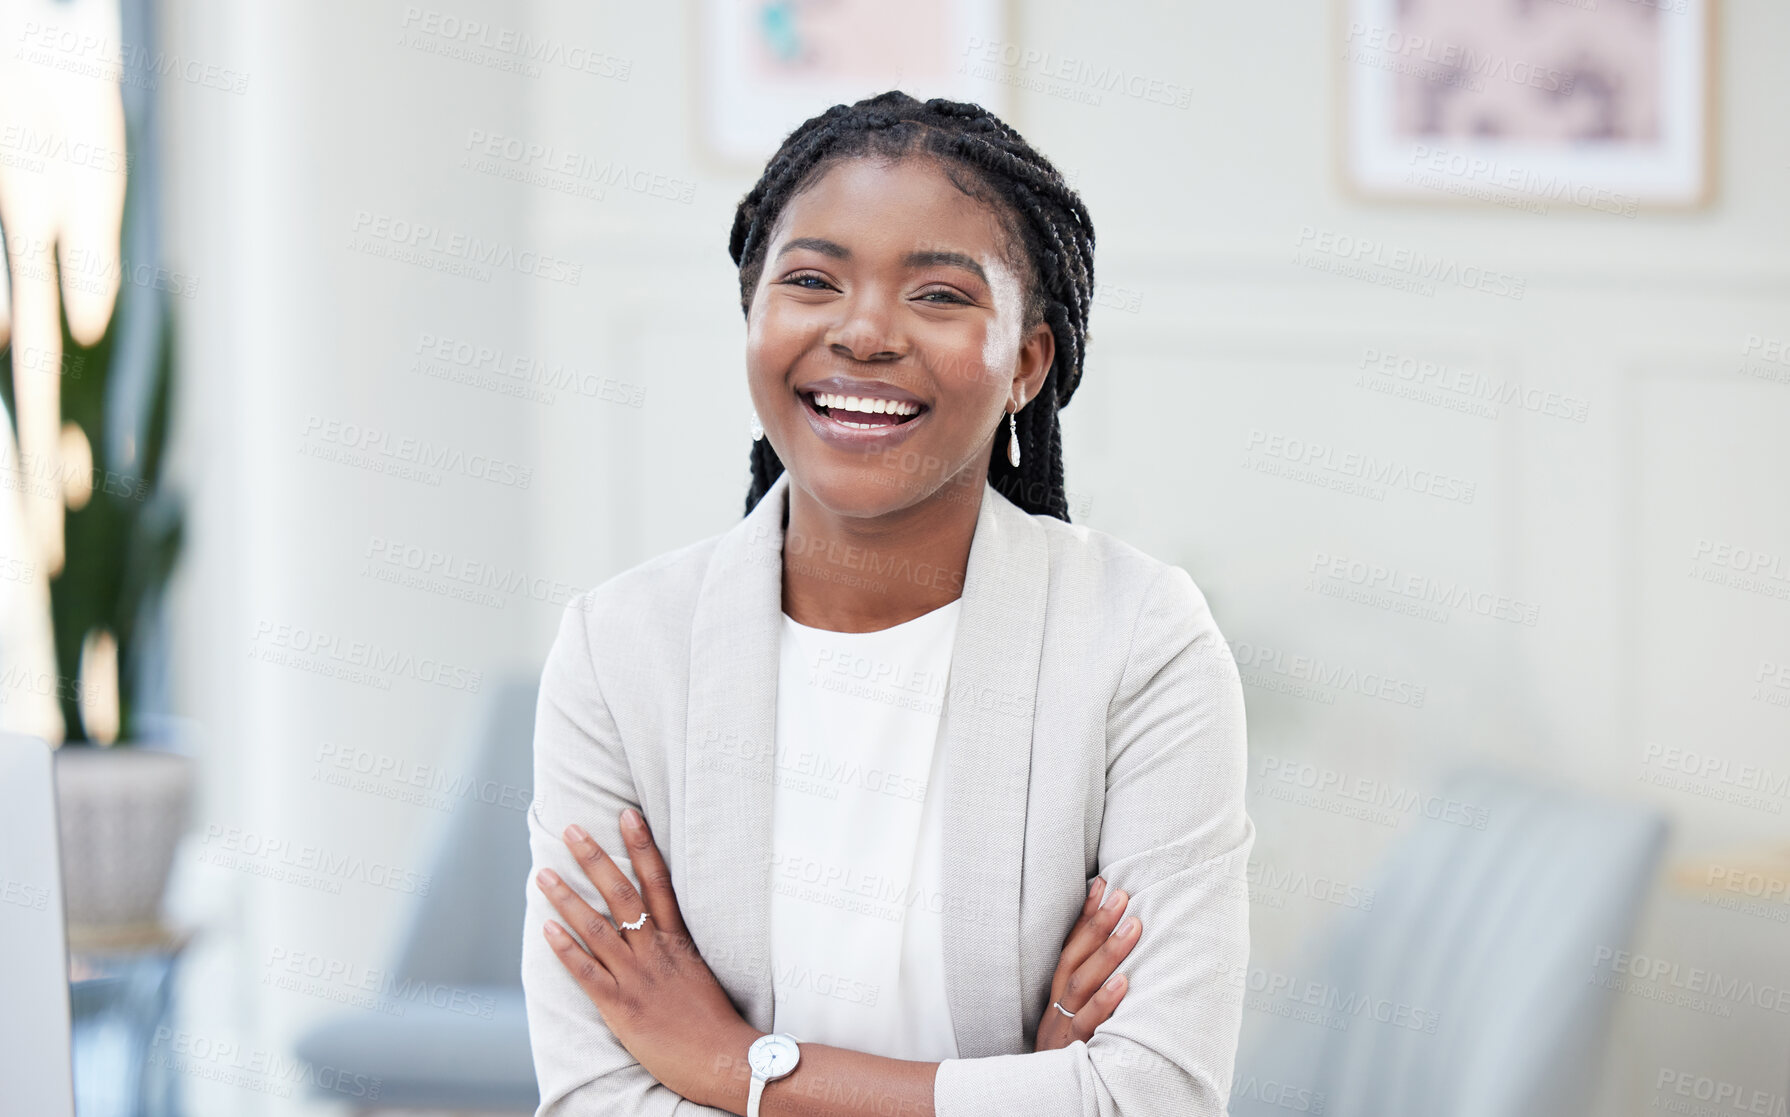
[{"x": 866, "y": 331}]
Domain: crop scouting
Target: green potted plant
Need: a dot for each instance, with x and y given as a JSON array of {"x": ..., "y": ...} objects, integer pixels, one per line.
[{"x": 89, "y": 510}]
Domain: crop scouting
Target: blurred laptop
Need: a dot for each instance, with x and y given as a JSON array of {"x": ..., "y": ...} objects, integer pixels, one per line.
[{"x": 36, "y": 1072}]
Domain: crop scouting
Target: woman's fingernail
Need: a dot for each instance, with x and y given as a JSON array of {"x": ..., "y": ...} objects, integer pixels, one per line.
[
  {"x": 576, "y": 833},
  {"x": 1129, "y": 925},
  {"x": 1112, "y": 898},
  {"x": 631, "y": 819},
  {"x": 1116, "y": 982},
  {"x": 1094, "y": 889}
]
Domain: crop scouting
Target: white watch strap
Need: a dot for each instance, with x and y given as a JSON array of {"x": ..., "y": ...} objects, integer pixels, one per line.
[{"x": 753, "y": 1093}]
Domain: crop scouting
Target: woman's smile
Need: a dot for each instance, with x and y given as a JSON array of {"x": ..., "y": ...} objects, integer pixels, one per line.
[{"x": 860, "y": 414}]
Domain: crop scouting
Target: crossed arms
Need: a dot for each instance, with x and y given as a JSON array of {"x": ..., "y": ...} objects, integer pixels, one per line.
[{"x": 1174, "y": 835}]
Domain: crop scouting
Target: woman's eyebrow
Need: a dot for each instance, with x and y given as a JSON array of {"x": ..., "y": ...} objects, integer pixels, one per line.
[
  {"x": 817, "y": 244},
  {"x": 945, "y": 259}
]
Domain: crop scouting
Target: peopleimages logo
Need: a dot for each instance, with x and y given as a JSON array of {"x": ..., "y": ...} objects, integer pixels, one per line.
[
  {"x": 1471, "y": 387},
  {"x": 1405, "y": 263},
  {"x": 1452, "y": 62},
  {"x": 1719, "y": 563},
  {"x": 1047, "y": 71},
  {"x": 491, "y": 368},
  {"x": 382, "y": 451},
  {"x": 379, "y": 990},
  {"x": 1298, "y": 1099},
  {"x": 1335, "y": 1007},
  {"x": 413, "y": 239},
  {"x": 1376, "y": 795},
  {"x": 1478, "y": 169},
  {"x": 331, "y": 653},
  {"x": 1722, "y": 1096},
  {"x": 233, "y": 847},
  {"x": 260, "y": 1070},
  {"x": 1256, "y": 661},
  {"x": 464, "y": 574},
  {"x": 78, "y": 50},
  {"x": 565, "y": 170},
  {"x": 1343, "y": 572},
  {"x": 1694, "y": 983},
  {"x": 1264, "y": 877},
  {"x": 1774, "y": 351},
  {"x": 1367, "y": 468},
  {"x": 503, "y": 48},
  {"x": 32, "y": 149},
  {"x": 1714, "y": 777}
]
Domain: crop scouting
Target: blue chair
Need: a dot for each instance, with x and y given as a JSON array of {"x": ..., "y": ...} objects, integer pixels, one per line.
[
  {"x": 464, "y": 937},
  {"x": 1489, "y": 936}
]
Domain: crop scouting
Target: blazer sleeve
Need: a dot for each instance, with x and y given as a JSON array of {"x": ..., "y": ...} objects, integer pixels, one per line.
[
  {"x": 1176, "y": 837},
  {"x": 581, "y": 775}
]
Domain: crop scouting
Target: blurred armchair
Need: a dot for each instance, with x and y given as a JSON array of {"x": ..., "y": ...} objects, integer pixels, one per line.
[
  {"x": 463, "y": 936},
  {"x": 1491, "y": 936}
]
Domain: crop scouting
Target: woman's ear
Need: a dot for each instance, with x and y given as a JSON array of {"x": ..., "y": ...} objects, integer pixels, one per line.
[{"x": 1036, "y": 352}]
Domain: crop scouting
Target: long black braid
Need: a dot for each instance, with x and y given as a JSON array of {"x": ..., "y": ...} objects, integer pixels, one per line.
[{"x": 1041, "y": 211}]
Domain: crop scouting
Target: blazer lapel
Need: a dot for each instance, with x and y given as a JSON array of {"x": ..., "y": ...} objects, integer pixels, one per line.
[
  {"x": 987, "y": 763},
  {"x": 723, "y": 869},
  {"x": 723, "y": 875}
]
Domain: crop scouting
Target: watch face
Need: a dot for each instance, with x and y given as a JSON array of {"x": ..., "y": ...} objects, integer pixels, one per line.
[{"x": 773, "y": 1056}]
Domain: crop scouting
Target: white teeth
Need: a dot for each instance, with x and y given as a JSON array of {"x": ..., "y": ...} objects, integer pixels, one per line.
[{"x": 869, "y": 405}]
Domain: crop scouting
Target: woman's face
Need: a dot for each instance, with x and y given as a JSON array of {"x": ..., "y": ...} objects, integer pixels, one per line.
[{"x": 885, "y": 282}]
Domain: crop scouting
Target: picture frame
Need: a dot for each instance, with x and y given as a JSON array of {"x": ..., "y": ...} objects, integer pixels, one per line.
[
  {"x": 1603, "y": 106},
  {"x": 767, "y": 65}
]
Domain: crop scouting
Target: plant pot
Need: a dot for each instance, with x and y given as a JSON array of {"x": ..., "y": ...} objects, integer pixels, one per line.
[{"x": 122, "y": 811}]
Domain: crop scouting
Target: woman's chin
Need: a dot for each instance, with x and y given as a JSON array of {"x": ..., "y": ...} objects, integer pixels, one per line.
[
  {"x": 869, "y": 493},
  {"x": 864, "y": 491}
]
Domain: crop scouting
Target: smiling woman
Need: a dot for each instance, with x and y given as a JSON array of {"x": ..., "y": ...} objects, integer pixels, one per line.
[
  {"x": 846, "y": 305},
  {"x": 986, "y": 248},
  {"x": 882, "y": 808}
]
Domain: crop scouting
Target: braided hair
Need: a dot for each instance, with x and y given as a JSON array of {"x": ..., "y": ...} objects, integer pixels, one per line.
[{"x": 1041, "y": 214}]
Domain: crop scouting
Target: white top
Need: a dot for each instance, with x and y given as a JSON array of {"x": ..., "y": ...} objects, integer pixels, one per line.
[{"x": 857, "y": 900}]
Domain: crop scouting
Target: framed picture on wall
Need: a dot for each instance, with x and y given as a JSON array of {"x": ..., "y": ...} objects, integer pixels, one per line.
[
  {"x": 1545, "y": 105},
  {"x": 767, "y": 65}
]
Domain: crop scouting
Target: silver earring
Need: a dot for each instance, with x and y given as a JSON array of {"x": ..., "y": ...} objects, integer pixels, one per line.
[
  {"x": 1012, "y": 440},
  {"x": 757, "y": 428}
]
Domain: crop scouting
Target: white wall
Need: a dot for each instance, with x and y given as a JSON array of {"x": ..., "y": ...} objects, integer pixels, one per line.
[
  {"x": 1197, "y": 212},
  {"x": 293, "y": 324}
]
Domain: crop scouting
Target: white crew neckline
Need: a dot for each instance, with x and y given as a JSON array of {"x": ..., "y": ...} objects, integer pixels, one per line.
[{"x": 915, "y": 622}]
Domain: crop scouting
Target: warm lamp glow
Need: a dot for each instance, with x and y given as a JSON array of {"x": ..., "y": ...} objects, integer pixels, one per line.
[
  {"x": 99, "y": 686},
  {"x": 62, "y": 217},
  {"x": 77, "y": 467}
]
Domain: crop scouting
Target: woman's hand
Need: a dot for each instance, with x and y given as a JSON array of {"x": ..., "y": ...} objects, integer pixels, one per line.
[
  {"x": 651, "y": 985},
  {"x": 1090, "y": 955}
]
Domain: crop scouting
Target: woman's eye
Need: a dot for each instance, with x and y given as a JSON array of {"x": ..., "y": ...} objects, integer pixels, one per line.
[
  {"x": 810, "y": 281},
  {"x": 941, "y": 295}
]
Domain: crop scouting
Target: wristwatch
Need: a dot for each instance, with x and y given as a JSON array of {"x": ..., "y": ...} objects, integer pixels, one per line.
[{"x": 770, "y": 1057}]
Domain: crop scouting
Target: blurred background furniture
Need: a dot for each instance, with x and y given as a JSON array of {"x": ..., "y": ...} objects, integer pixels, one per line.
[
  {"x": 465, "y": 935},
  {"x": 121, "y": 987},
  {"x": 1491, "y": 934}
]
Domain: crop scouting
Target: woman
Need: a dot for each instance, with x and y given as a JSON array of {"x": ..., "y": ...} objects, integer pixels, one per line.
[{"x": 890, "y": 872}]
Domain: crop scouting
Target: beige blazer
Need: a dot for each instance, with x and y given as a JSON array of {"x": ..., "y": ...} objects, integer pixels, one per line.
[{"x": 1095, "y": 726}]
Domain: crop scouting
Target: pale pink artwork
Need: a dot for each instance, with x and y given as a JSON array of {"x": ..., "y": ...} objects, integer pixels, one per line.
[
  {"x": 1588, "y": 107},
  {"x": 770, "y": 64},
  {"x": 866, "y": 40},
  {"x": 1554, "y": 72}
]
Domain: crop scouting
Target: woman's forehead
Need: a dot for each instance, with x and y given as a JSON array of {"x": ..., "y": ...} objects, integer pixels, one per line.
[{"x": 904, "y": 208}]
